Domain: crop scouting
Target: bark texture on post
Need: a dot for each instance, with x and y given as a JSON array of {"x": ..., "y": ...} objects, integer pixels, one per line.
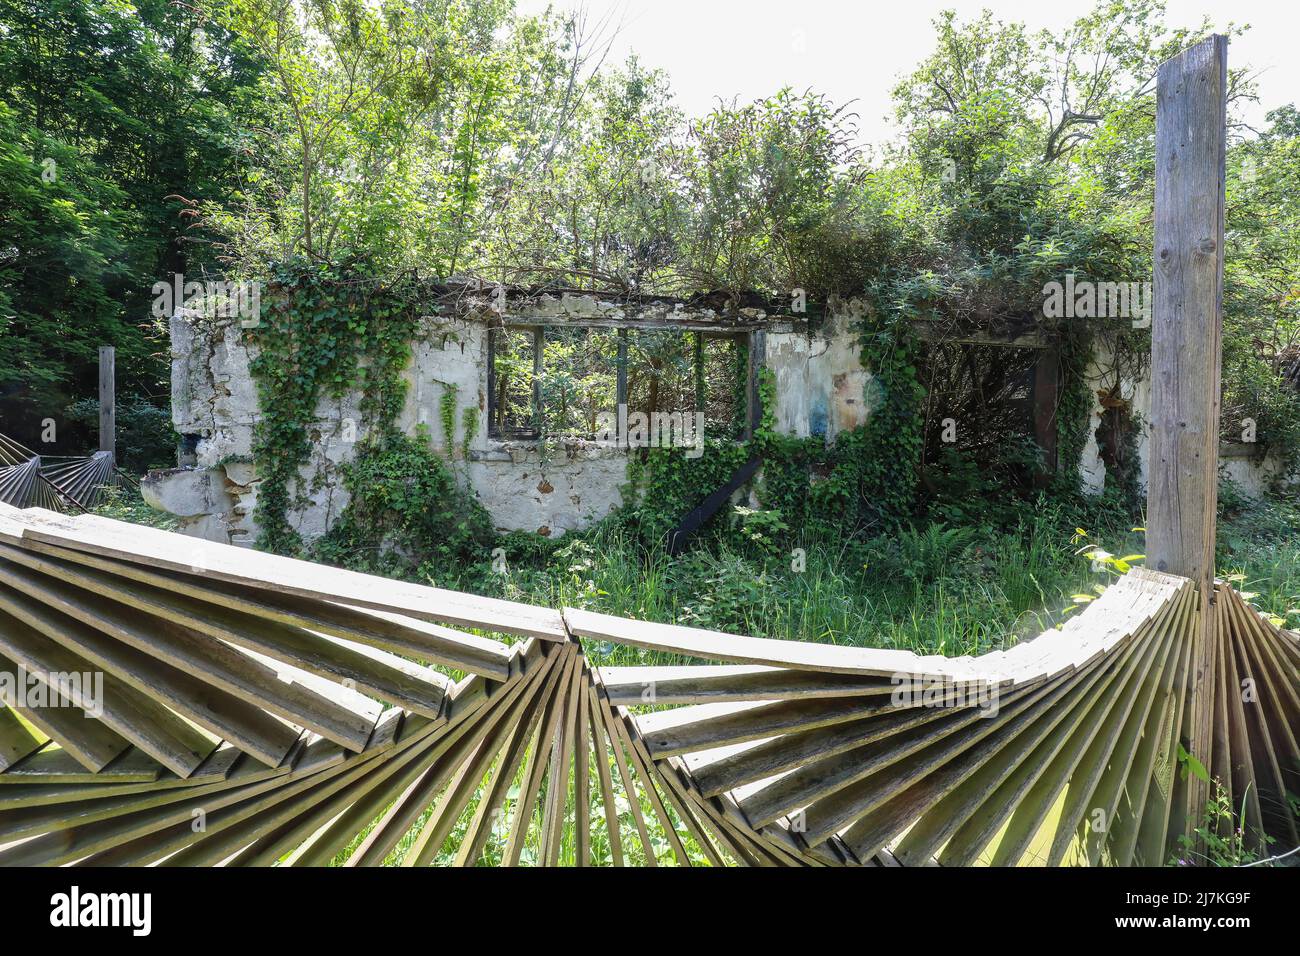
[
  {"x": 107, "y": 399},
  {"x": 1186, "y": 348}
]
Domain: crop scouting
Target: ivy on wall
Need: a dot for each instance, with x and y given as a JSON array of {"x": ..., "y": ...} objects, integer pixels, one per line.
[
  {"x": 324, "y": 331},
  {"x": 865, "y": 478},
  {"x": 1073, "y": 411},
  {"x": 865, "y": 481},
  {"x": 406, "y": 516},
  {"x": 327, "y": 332}
]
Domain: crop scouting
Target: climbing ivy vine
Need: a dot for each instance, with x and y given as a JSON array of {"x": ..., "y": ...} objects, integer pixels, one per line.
[
  {"x": 324, "y": 331},
  {"x": 865, "y": 479},
  {"x": 406, "y": 517},
  {"x": 1073, "y": 411},
  {"x": 329, "y": 331}
]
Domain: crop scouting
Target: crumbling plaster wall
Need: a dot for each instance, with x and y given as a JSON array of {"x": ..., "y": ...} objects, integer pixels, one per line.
[
  {"x": 821, "y": 387},
  {"x": 1254, "y": 469},
  {"x": 523, "y": 486}
]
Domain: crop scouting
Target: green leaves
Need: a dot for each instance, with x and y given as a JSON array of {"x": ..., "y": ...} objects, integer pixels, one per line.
[
  {"x": 322, "y": 337},
  {"x": 1191, "y": 765},
  {"x": 406, "y": 512}
]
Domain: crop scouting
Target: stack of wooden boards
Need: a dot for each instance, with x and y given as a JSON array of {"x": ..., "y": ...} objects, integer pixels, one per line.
[
  {"x": 30, "y": 480},
  {"x": 255, "y": 709}
]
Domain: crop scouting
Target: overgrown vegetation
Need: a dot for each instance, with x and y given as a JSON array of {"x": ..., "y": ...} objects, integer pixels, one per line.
[
  {"x": 406, "y": 513},
  {"x": 325, "y": 332},
  {"x": 336, "y": 150}
]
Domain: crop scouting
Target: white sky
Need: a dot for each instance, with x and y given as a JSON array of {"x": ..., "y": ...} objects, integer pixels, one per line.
[{"x": 856, "y": 49}]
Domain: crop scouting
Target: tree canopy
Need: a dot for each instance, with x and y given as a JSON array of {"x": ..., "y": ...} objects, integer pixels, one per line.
[{"x": 460, "y": 137}]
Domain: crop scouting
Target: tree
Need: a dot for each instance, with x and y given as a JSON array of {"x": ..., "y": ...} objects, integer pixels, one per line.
[{"x": 138, "y": 106}]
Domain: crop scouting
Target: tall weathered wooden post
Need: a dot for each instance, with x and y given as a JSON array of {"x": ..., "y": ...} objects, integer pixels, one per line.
[
  {"x": 107, "y": 399},
  {"x": 1182, "y": 497}
]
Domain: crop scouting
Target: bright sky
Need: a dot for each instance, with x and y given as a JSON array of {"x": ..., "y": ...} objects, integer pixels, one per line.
[{"x": 856, "y": 49}]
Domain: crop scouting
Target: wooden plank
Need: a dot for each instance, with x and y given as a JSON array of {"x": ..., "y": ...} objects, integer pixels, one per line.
[
  {"x": 149, "y": 837},
  {"x": 669, "y": 774},
  {"x": 235, "y": 825},
  {"x": 107, "y": 399},
  {"x": 702, "y": 684},
  {"x": 1094, "y": 789},
  {"x": 1273, "y": 735},
  {"x": 112, "y": 782},
  {"x": 601, "y": 713},
  {"x": 701, "y": 727},
  {"x": 539, "y": 758},
  {"x": 453, "y": 747},
  {"x": 323, "y": 814},
  {"x": 643, "y": 765},
  {"x": 391, "y": 632},
  {"x": 603, "y": 750},
  {"x": 581, "y": 780},
  {"x": 371, "y": 671},
  {"x": 190, "y": 653},
  {"x": 557, "y": 785},
  {"x": 18, "y": 738},
  {"x": 110, "y": 712},
  {"x": 504, "y": 774},
  {"x": 1126, "y": 822},
  {"x": 718, "y": 646},
  {"x": 946, "y": 799},
  {"x": 269, "y": 572},
  {"x": 221, "y": 714},
  {"x": 482, "y": 751},
  {"x": 1155, "y": 831},
  {"x": 1186, "y": 351},
  {"x": 925, "y": 748},
  {"x": 725, "y": 768},
  {"x": 55, "y": 766},
  {"x": 1030, "y": 829},
  {"x": 1003, "y": 786},
  {"x": 905, "y": 779}
]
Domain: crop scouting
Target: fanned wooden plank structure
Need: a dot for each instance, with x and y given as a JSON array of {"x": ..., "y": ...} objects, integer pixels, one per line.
[
  {"x": 28, "y": 479},
  {"x": 174, "y": 701},
  {"x": 21, "y": 482},
  {"x": 59, "y": 484},
  {"x": 246, "y": 692}
]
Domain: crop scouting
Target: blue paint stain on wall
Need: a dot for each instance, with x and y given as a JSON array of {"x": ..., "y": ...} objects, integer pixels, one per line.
[{"x": 818, "y": 417}]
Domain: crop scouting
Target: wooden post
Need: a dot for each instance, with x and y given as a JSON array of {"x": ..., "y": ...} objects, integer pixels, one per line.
[
  {"x": 107, "y": 401},
  {"x": 1182, "y": 495}
]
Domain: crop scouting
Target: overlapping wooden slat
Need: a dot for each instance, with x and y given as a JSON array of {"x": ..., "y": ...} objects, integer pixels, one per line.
[
  {"x": 269, "y": 572},
  {"x": 1060, "y": 750},
  {"x": 18, "y": 738}
]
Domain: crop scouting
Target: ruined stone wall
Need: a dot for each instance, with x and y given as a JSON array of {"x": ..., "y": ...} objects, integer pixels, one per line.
[
  {"x": 821, "y": 389},
  {"x": 1254, "y": 469},
  {"x": 522, "y": 485}
]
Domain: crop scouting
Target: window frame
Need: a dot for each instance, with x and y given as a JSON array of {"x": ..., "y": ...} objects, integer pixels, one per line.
[{"x": 750, "y": 338}]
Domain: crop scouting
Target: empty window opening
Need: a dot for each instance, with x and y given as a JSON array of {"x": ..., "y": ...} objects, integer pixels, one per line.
[{"x": 567, "y": 381}]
